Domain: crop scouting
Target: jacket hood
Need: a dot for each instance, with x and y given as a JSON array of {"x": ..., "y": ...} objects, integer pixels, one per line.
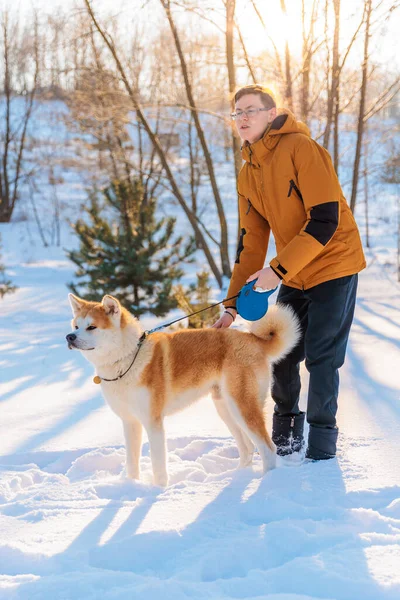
[{"x": 283, "y": 124}]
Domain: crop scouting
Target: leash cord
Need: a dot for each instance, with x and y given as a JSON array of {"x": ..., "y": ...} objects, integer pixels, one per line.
[
  {"x": 191, "y": 314},
  {"x": 146, "y": 333}
]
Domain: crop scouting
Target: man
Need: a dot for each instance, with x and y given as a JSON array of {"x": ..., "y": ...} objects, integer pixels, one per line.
[{"x": 288, "y": 185}]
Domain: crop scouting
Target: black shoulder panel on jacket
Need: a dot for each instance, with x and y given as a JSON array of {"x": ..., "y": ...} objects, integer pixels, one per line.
[{"x": 324, "y": 221}]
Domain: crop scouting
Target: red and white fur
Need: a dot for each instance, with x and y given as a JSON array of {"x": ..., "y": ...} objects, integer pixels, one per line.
[{"x": 173, "y": 370}]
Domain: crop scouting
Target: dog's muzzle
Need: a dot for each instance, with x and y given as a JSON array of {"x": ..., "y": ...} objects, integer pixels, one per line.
[{"x": 72, "y": 342}]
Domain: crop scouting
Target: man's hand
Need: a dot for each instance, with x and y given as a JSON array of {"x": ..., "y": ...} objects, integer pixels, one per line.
[
  {"x": 267, "y": 279},
  {"x": 225, "y": 320}
]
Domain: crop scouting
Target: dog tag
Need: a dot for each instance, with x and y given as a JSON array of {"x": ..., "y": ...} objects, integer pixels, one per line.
[
  {"x": 96, "y": 379},
  {"x": 251, "y": 304}
]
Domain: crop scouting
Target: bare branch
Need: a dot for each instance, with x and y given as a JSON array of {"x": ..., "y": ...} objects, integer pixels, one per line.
[
  {"x": 277, "y": 55},
  {"x": 246, "y": 56},
  {"x": 383, "y": 99},
  {"x": 193, "y": 10}
]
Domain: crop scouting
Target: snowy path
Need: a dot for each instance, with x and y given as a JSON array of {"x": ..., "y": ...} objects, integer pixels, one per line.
[{"x": 72, "y": 528}]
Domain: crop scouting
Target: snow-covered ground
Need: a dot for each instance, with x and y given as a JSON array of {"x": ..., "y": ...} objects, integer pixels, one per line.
[{"x": 72, "y": 527}]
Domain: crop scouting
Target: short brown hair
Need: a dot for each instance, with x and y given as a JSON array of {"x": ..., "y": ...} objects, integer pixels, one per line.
[{"x": 259, "y": 90}]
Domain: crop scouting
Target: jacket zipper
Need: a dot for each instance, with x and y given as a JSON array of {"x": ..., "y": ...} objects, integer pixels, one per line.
[{"x": 294, "y": 187}]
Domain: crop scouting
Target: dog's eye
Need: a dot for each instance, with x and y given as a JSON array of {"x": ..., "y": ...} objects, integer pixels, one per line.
[
  {"x": 76, "y": 327},
  {"x": 90, "y": 328}
]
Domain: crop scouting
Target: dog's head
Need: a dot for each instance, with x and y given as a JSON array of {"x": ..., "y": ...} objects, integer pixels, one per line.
[{"x": 97, "y": 326}]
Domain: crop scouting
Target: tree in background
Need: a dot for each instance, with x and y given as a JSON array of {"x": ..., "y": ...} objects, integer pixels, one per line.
[
  {"x": 230, "y": 7},
  {"x": 365, "y": 112},
  {"x": 223, "y": 243},
  {"x": 362, "y": 102},
  {"x": 197, "y": 297},
  {"x": 19, "y": 69},
  {"x": 159, "y": 151},
  {"x": 333, "y": 81},
  {"x": 5, "y": 284},
  {"x": 127, "y": 252}
]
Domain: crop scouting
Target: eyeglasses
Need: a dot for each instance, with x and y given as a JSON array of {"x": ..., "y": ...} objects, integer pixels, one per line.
[{"x": 250, "y": 114}]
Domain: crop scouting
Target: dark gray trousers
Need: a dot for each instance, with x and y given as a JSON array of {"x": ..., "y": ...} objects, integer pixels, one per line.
[{"x": 326, "y": 313}]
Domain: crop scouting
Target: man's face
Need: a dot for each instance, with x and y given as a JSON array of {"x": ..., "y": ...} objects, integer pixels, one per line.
[{"x": 252, "y": 127}]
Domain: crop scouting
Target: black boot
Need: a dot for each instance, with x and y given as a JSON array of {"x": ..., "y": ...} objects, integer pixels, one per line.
[
  {"x": 322, "y": 442},
  {"x": 287, "y": 433}
]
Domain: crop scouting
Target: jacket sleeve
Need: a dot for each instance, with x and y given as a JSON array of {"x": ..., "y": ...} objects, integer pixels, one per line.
[
  {"x": 252, "y": 247},
  {"x": 320, "y": 192}
]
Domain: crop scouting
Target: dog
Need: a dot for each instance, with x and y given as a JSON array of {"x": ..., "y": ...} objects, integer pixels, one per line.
[{"x": 170, "y": 371}]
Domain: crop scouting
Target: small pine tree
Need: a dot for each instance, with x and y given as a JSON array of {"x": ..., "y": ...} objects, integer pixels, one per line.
[
  {"x": 127, "y": 252},
  {"x": 5, "y": 284},
  {"x": 196, "y": 297}
]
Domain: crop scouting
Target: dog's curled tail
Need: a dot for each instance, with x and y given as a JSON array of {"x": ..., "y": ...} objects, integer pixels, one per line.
[{"x": 280, "y": 328}]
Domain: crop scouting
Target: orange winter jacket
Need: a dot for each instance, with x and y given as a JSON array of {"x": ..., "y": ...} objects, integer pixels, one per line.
[{"x": 288, "y": 185}]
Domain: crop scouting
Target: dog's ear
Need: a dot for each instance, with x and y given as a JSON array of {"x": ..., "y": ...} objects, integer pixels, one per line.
[
  {"x": 76, "y": 303},
  {"x": 111, "y": 306}
]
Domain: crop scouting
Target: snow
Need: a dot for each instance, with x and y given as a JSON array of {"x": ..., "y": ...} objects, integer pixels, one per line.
[{"x": 73, "y": 527}]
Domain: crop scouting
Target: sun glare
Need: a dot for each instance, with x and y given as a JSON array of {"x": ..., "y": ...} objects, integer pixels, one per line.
[
  {"x": 275, "y": 28},
  {"x": 278, "y": 27}
]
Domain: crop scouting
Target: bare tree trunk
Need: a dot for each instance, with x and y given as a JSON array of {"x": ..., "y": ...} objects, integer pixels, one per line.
[
  {"x": 308, "y": 50},
  {"x": 333, "y": 95},
  {"x": 333, "y": 92},
  {"x": 366, "y": 195},
  {"x": 230, "y": 17},
  {"x": 336, "y": 71},
  {"x": 224, "y": 254},
  {"x": 361, "y": 111},
  {"x": 5, "y": 208},
  {"x": 305, "y": 85},
  {"x": 194, "y": 175},
  {"x": 289, "y": 84},
  {"x": 336, "y": 130},
  {"x": 55, "y": 226},
  {"x": 237, "y": 155},
  {"x": 156, "y": 144}
]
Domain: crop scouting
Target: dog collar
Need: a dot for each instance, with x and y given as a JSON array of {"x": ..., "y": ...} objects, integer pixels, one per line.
[{"x": 97, "y": 379}]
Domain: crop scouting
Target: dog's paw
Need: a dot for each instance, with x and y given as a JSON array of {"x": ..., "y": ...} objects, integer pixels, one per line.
[
  {"x": 245, "y": 459},
  {"x": 130, "y": 474},
  {"x": 161, "y": 480},
  {"x": 245, "y": 462},
  {"x": 270, "y": 465}
]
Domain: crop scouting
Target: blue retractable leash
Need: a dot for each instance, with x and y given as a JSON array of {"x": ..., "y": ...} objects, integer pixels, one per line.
[{"x": 251, "y": 304}]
